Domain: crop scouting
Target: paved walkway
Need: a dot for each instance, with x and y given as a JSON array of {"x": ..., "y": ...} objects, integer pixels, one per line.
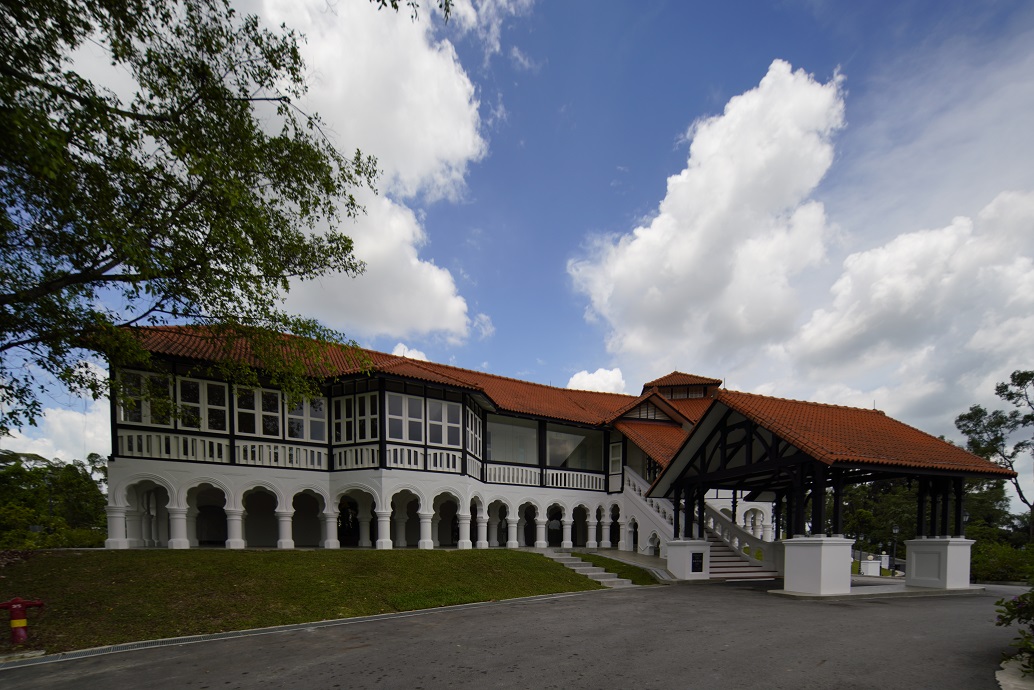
[{"x": 711, "y": 636}]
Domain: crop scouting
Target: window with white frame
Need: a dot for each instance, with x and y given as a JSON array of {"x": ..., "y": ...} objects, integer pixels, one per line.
[
  {"x": 405, "y": 416},
  {"x": 258, "y": 412},
  {"x": 138, "y": 390},
  {"x": 615, "y": 458},
  {"x": 474, "y": 431},
  {"x": 355, "y": 418},
  {"x": 202, "y": 405},
  {"x": 307, "y": 421},
  {"x": 444, "y": 423}
]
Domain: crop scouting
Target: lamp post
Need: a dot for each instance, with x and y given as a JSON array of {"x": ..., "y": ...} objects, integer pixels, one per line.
[{"x": 894, "y": 550}]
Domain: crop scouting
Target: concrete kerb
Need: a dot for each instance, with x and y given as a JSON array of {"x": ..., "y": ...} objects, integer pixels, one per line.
[{"x": 33, "y": 659}]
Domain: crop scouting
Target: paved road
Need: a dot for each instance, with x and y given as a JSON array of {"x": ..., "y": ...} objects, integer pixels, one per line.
[{"x": 695, "y": 636}]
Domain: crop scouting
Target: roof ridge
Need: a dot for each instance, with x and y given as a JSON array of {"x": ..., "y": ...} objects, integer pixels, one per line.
[{"x": 726, "y": 391}]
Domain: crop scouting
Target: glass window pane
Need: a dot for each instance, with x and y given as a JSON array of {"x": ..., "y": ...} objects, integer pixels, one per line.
[
  {"x": 217, "y": 420},
  {"x": 317, "y": 408},
  {"x": 270, "y": 401},
  {"x": 434, "y": 434},
  {"x": 246, "y": 399},
  {"x": 454, "y": 413},
  {"x": 190, "y": 417},
  {"x": 216, "y": 395},
  {"x": 135, "y": 414},
  {"x": 297, "y": 410},
  {"x": 317, "y": 431},
  {"x": 416, "y": 431},
  {"x": 362, "y": 406},
  {"x": 395, "y": 429},
  {"x": 270, "y": 425},
  {"x": 295, "y": 428},
  {"x": 454, "y": 436},
  {"x": 246, "y": 422},
  {"x": 434, "y": 410},
  {"x": 190, "y": 392},
  {"x": 362, "y": 429},
  {"x": 416, "y": 408},
  {"x": 395, "y": 405}
]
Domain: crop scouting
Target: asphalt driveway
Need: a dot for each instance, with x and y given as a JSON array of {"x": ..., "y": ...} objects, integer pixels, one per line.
[{"x": 691, "y": 636}]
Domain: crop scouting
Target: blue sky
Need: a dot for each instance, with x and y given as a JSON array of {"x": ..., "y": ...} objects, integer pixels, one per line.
[{"x": 822, "y": 200}]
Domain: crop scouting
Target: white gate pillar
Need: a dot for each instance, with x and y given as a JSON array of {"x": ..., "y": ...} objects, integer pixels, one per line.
[
  {"x": 192, "y": 527},
  {"x": 493, "y": 531},
  {"x": 364, "y": 531},
  {"x": 605, "y": 535},
  {"x": 623, "y": 543},
  {"x": 590, "y": 539},
  {"x": 134, "y": 538},
  {"x": 400, "y": 530}
]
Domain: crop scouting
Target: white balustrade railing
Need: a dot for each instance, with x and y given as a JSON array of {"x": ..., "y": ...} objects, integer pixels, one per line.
[
  {"x": 473, "y": 467},
  {"x": 357, "y": 458},
  {"x": 754, "y": 549},
  {"x": 266, "y": 454},
  {"x": 404, "y": 457},
  {"x": 445, "y": 461},
  {"x": 168, "y": 446},
  {"x": 512, "y": 474},
  {"x": 567, "y": 479}
]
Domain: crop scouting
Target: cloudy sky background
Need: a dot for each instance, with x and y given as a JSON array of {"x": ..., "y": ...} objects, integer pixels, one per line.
[{"x": 806, "y": 199}]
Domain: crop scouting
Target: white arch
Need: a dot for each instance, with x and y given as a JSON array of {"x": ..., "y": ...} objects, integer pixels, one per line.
[
  {"x": 118, "y": 495},
  {"x": 195, "y": 482},
  {"x": 357, "y": 486},
  {"x": 269, "y": 486},
  {"x": 320, "y": 492},
  {"x": 411, "y": 488}
]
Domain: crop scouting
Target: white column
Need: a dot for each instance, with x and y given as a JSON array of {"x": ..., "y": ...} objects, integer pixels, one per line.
[
  {"x": 192, "y": 527},
  {"x": 482, "y": 542},
  {"x": 330, "y": 540},
  {"x": 566, "y": 525},
  {"x": 436, "y": 538},
  {"x": 178, "y": 528},
  {"x": 511, "y": 533},
  {"x": 605, "y": 533},
  {"x": 520, "y": 532},
  {"x": 426, "y": 542},
  {"x": 134, "y": 538},
  {"x": 400, "y": 531},
  {"x": 283, "y": 519},
  {"x": 623, "y": 544},
  {"x": 590, "y": 539},
  {"x": 493, "y": 531},
  {"x": 383, "y": 529},
  {"x": 116, "y": 528},
  {"x": 234, "y": 528},
  {"x": 540, "y": 533},
  {"x": 463, "y": 519},
  {"x": 766, "y": 532},
  {"x": 145, "y": 529},
  {"x": 364, "y": 531}
]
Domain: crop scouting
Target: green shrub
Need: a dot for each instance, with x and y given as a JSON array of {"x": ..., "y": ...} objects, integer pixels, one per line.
[
  {"x": 997, "y": 562},
  {"x": 1020, "y": 609}
]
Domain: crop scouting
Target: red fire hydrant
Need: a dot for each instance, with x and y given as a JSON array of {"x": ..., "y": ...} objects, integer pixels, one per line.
[{"x": 19, "y": 625}]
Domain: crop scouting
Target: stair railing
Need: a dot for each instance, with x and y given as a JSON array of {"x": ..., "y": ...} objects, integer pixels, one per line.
[{"x": 768, "y": 554}]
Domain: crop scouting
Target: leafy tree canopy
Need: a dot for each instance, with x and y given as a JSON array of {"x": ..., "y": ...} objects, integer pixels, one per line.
[
  {"x": 48, "y": 503},
  {"x": 993, "y": 435},
  {"x": 195, "y": 195}
]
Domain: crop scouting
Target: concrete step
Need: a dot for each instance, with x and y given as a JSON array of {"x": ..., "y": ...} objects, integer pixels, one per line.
[{"x": 593, "y": 572}]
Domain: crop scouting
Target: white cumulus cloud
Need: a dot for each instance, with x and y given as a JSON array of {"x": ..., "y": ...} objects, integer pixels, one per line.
[
  {"x": 603, "y": 380},
  {"x": 713, "y": 272},
  {"x": 402, "y": 350}
]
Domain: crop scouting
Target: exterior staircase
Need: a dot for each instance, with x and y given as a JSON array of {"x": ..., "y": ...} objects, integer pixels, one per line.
[
  {"x": 589, "y": 570},
  {"x": 726, "y": 564}
]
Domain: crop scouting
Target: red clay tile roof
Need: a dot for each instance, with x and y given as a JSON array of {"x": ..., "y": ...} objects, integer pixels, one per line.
[
  {"x": 677, "y": 378},
  {"x": 835, "y": 434},
  {"x": 660, "y": 440},
  {"x": 691, "y": 408},
  {"x": 509, "y": 395}
]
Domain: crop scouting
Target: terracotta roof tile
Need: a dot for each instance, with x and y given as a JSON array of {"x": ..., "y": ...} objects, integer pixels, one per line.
[
  {"x": 677, "y": 378},
  {"x": 835, "y": 434},
  {"x": 691, "y": 408},
  {"x": 660, "y": 440}
]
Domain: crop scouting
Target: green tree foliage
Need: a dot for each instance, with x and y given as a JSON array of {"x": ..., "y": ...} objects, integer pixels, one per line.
[
  {"x": 193, "y": 193},
  {"x": 48, "y": 503},
  {"x": 993, "y": 435}
]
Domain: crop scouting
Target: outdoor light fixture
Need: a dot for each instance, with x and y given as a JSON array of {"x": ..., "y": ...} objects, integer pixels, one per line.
[{"x": 894, "y": 550}]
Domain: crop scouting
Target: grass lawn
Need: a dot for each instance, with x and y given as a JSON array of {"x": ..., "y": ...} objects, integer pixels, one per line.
[
  {"x": 98, "y": 597},
  {"x": 637, "y": 575}
]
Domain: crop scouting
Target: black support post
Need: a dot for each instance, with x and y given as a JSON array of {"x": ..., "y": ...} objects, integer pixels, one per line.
[
  {"x": 838, "y": 503},
  {"x": 924, "y": 487},
  {"x": 945, "y": 495},
  {"x": 701, "y": 492},
  {"x": 818, "y": 498},
  {"x": 960, "y": 496},
  {"x": 678, "y": 508}
]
